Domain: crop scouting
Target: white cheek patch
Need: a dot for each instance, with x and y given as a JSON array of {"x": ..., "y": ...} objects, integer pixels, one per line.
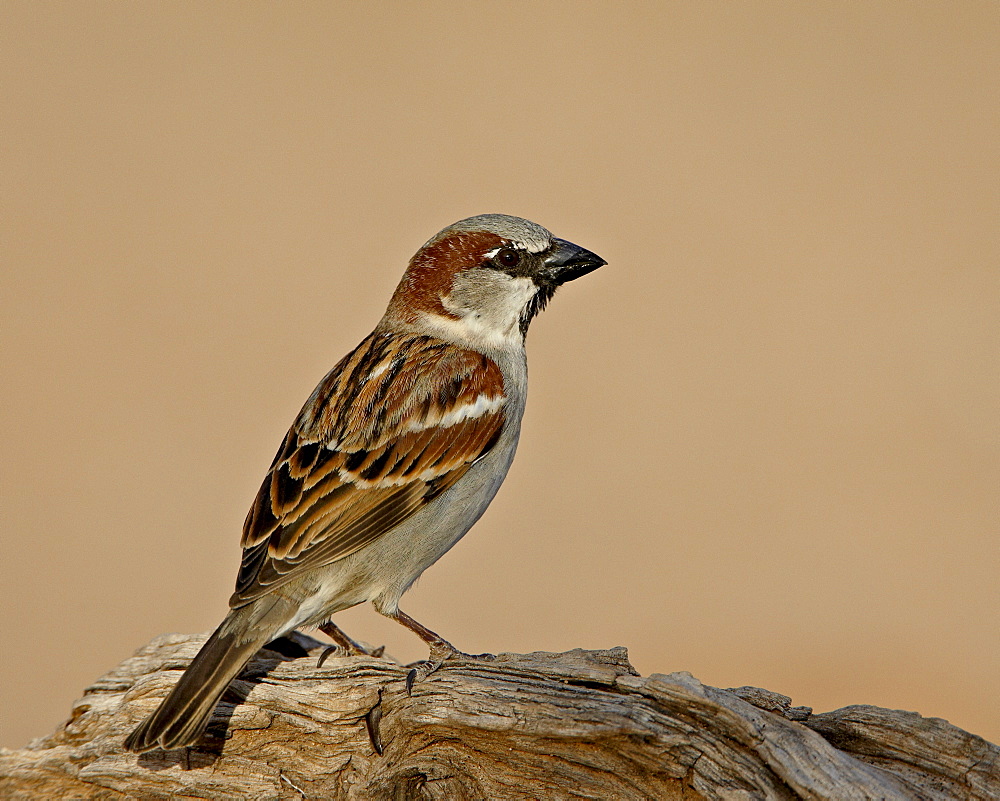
[
  {"x": 496, "y": 320},
  {"x": 521, "y": 291}
]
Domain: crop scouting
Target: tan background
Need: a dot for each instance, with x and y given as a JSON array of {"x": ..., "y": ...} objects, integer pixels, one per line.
[{"x": 762, "y": 444}]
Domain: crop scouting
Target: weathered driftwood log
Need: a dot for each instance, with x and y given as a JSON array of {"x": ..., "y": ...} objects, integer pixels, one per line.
[{"x": 581, "y": 724}]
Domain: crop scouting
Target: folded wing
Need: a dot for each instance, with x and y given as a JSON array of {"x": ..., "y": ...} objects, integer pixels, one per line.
[{"x": 391, "y": 427}]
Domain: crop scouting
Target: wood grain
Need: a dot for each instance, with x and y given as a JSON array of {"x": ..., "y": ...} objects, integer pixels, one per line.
[{"x": 581, "y": 724}]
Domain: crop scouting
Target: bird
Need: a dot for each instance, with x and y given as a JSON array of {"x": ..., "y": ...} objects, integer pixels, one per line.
[{"x": 392, "y": 459}]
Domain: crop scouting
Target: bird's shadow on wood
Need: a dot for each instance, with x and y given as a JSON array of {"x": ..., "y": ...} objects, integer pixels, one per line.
[{"x": 211, "y": 743}]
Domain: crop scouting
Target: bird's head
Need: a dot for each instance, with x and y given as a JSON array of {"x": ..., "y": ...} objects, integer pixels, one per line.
[{"x": 481, "y": 280}]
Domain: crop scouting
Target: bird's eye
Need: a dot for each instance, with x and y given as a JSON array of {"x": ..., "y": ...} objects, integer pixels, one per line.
[{"x": 508, "y": 257}]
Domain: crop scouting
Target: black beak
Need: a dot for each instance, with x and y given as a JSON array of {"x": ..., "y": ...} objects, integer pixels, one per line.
[{"x": 567, "y": 261}]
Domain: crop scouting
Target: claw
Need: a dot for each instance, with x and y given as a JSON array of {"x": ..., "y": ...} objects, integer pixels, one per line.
[
  {"x": 372, "y": 720},
  {"x": 422, "y": 671},
  {"x": 326, "y": 653}
]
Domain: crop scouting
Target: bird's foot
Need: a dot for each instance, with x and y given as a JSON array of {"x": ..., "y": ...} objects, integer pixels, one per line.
[
  {"x": 345, "y": 646},
  {"x": 441, "y": 652},
  {"x": 339, "y": 650}
]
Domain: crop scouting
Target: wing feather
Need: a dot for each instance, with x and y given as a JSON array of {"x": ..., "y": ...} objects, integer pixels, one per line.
[{"x": 396, "y": 423}]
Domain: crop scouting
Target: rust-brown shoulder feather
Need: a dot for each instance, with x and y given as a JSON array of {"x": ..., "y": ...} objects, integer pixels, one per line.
[{"x": 391, "y": 427}]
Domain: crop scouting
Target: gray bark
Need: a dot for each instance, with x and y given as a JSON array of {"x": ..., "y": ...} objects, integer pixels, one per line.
[{"x": 582, "y": 724}]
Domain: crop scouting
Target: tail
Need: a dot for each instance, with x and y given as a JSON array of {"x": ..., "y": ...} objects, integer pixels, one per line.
[{"x": 181, "y": 718}]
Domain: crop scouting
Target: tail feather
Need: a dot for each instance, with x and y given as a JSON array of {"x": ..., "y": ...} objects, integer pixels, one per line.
[{"x": 182, "y": 717}]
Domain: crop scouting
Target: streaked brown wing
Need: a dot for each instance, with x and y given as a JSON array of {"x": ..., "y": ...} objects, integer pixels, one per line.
[{"x": 391, "y": 427}]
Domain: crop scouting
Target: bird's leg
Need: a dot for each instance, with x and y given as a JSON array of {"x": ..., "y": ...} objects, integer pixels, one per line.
[
  {"x": 340, "y": 637},
  {"x": 344, "y": 643},
  {"x": 441, "y": 649}
]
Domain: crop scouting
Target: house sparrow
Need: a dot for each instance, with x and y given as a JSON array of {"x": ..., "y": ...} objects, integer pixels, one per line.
[{"x": 395, "y": 455}]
